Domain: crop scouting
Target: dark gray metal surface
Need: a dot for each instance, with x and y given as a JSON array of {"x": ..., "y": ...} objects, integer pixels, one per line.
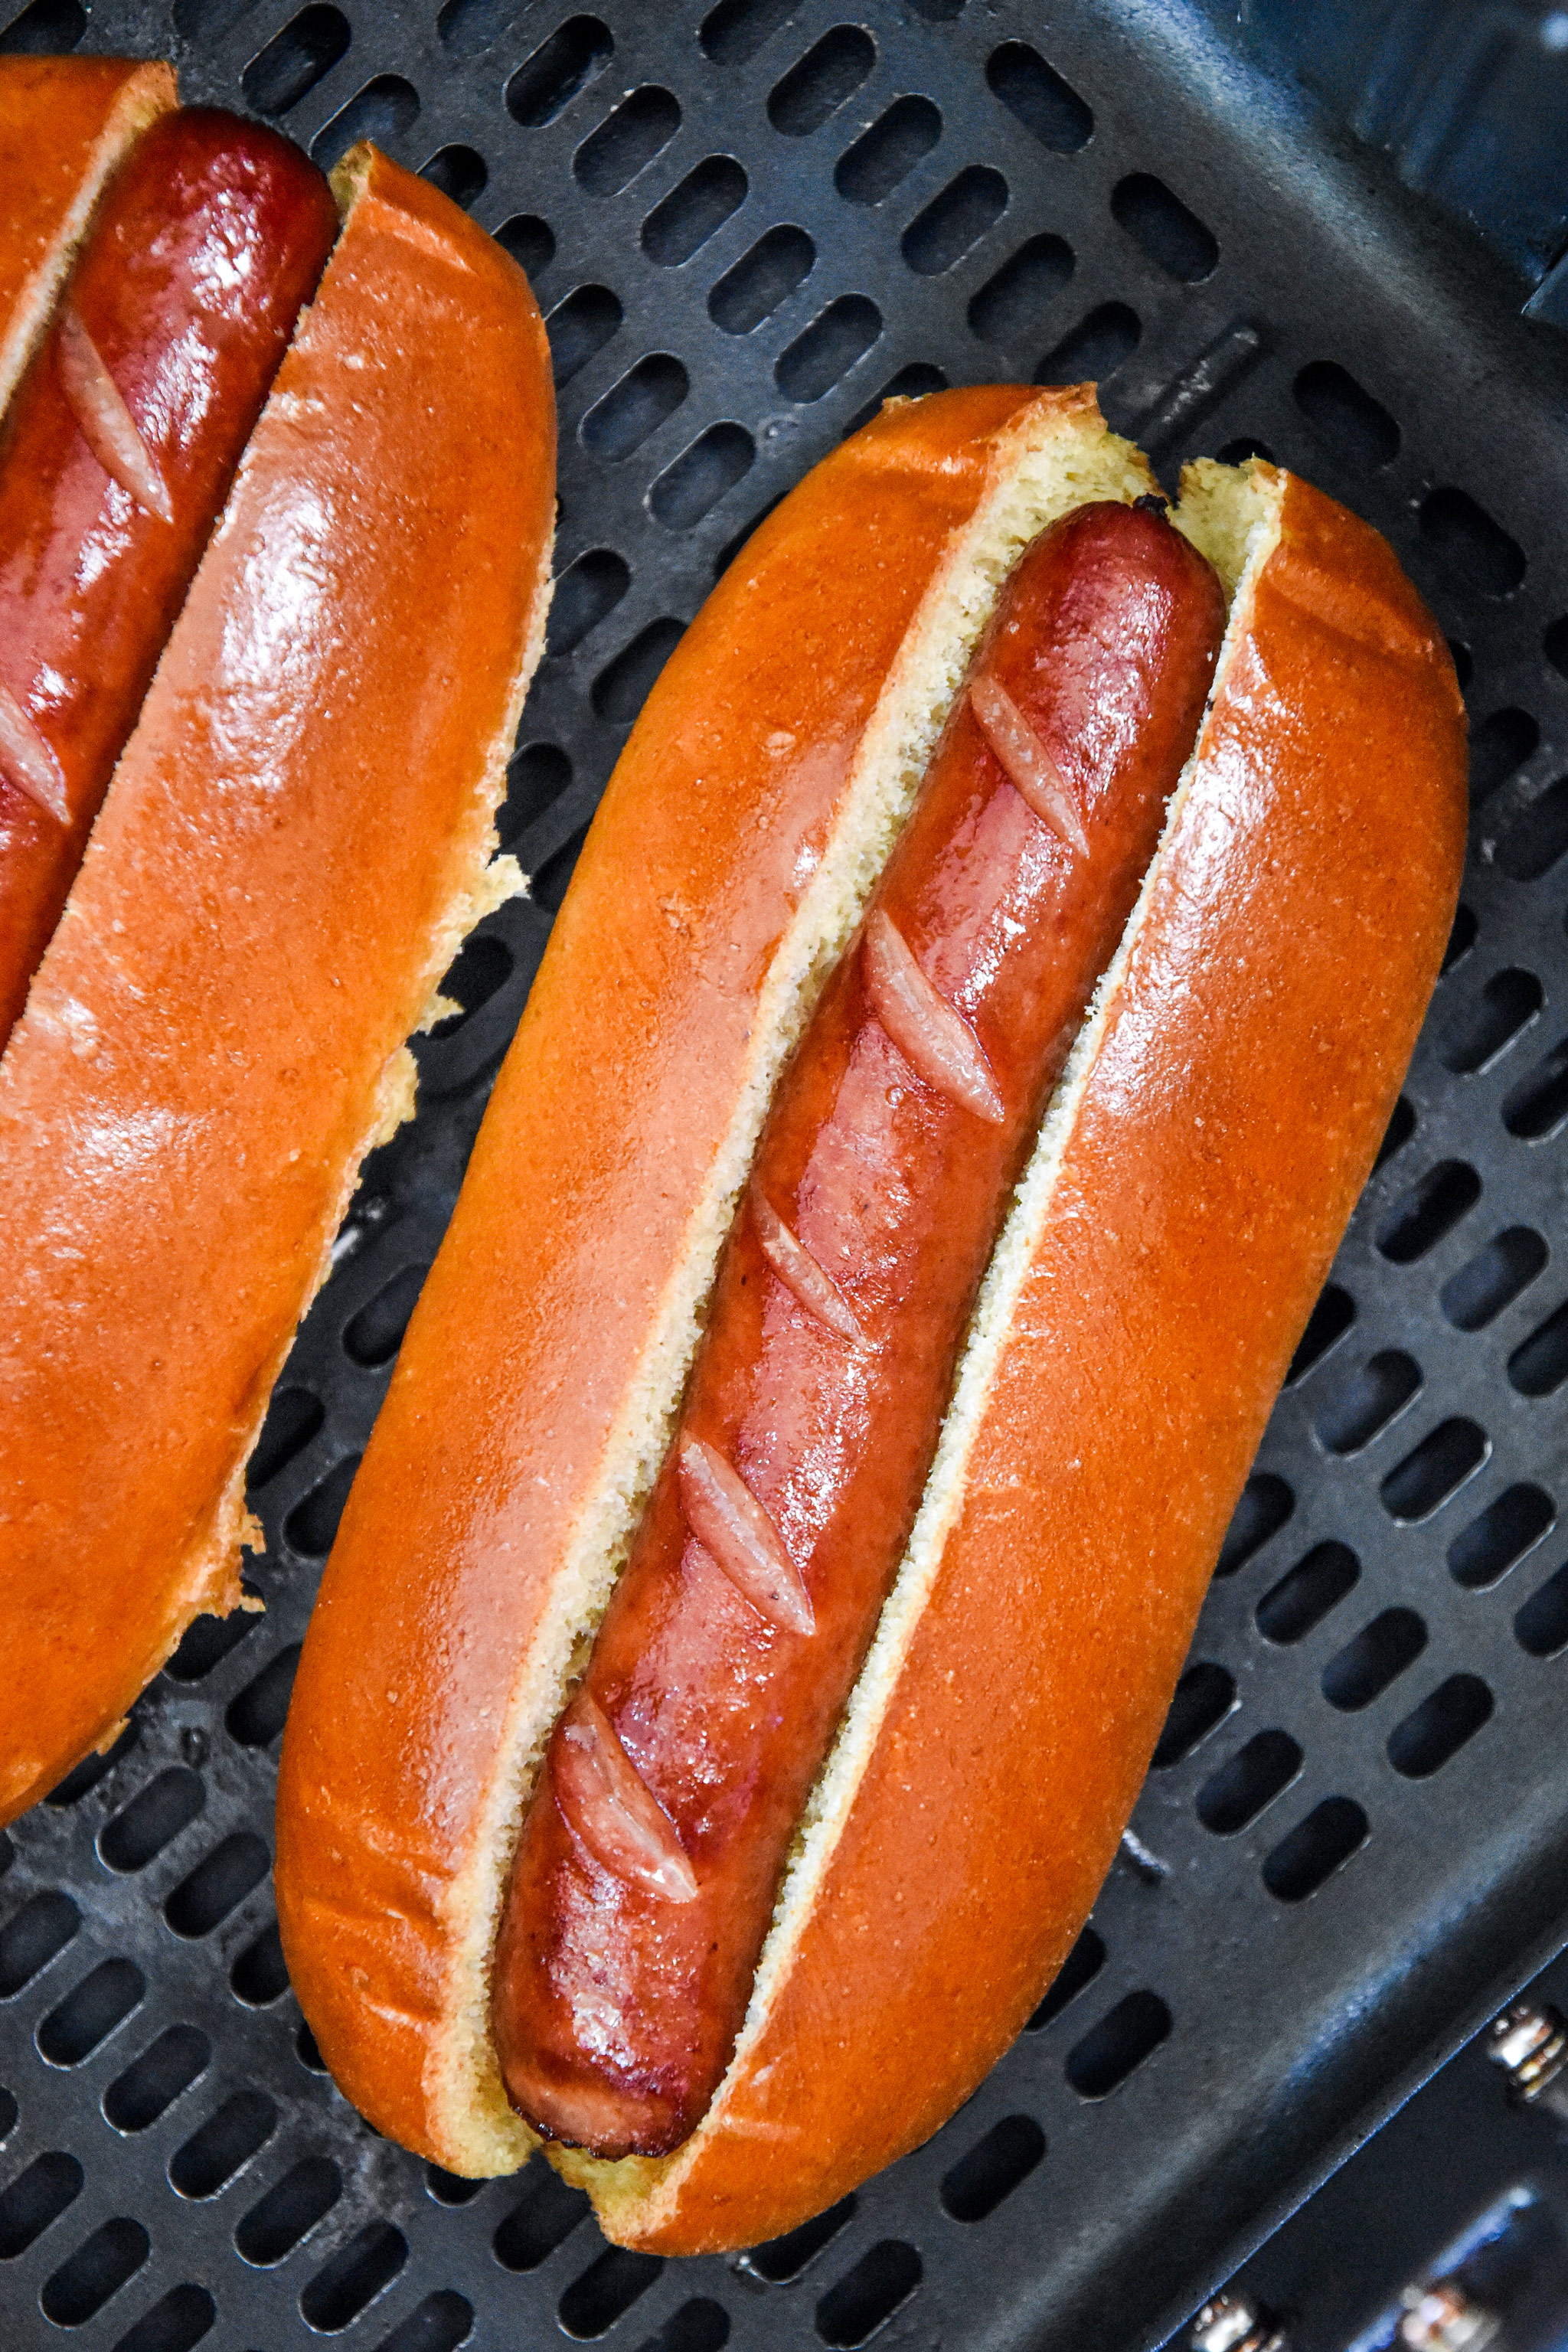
[{"x": 745, "y": 226}]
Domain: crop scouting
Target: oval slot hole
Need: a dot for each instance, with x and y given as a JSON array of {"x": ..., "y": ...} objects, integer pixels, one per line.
[
  {"x": 694, "y": 211},
  {"x": 1424, "y": 1481},
  {"x": 1314, "y": 1850},
  {"x": 256, "y": 1715},
  {"x": 1540, "y": 1627},
  {"x": 260, "y": 1975},
  {"x": 275, "y": 2225},
  {"x": 1330, "y": 1319},
  {"x": 884, "y": 156},
  {"x": 818, "y": 84},
  {"x": 586, "y": 593},
  {"x": 1347, "y": 420},
  {"x": 212, "y": 2156},
  {"x": 1431, "y": 1207},
  {"x": 1032, "y": 92},
  {"x": 87, "y": 1775},
  {"x": 1439, "y": 1726},
  {"x": 356, "y": 2274},
  {"x": 530, "y": 241},
  {"x": 1539, "y": 1365},
  {"x": 293, "y": 1418},
  {"x": 701, "y": 476},
  {"x": 1536, "y": 1107},
  {"x": 1010, "y": 307},
  {"x": 1493, "y": 1278},
  {"x": 29, "y": 1941},
  {"x": 635, "y": 407},
  {"x": 1119, "y": 2044},
  {"x": 204, "y": 1900},
  {"x": 1266, "y": 1504},
  {"x": 627, "y": 141},
  {"x": 1161, "y": 225},
  {"x": 1538, "y": 835},
  {"x": 607, "y": 2292},
  {"x": 1094, "y": 349},
  {"x": 955, "y": 221},
  {"x": 458, "y": 171},
  {"x": 98, "y": 2269},
  {"x": 35, "y": 2198},
  {"x": 1204, "y": 1697},
  {"x": 578, "y": 327},
  {"x": 865, "y": 2297},
  {"x": 545, "y": 84},
  {"x": 1079, "y": 1968},
  {"x": 1356, "y": 1675},
  {"x": 1364, "y": 1401},
  {"x": 833, "y": 344},
  {"x": 1302, "y": 1599},
  {"x": 1476, "y": 555},
  {"x": 312, "y": 1523},
  {"x": 543, "y": 2219},
  {"x": 1508, "y": 1004},
  {"x": 156, "y": 2080},
  {"x": 764, "y": 276},
  {"x": 177, "y": 2323},
  {"x": 1505, "y": 1532},
  {"x": 90, "y": 2013},
  {"x": 737, "y": 29},
  {"x": 619, "y": 691},
  {"x": 153, "y": 1819},
  {"x": 992, "y": 2169},
  {"x": 1396, "y": 1135},
  {"x": 439, "y": 2324},
  {"x": 295, "y": 60},
  {"x": 1499, "y": 746},
  {"x": 385, "y": 110},
  {"x": 1249, "y": 1780}
]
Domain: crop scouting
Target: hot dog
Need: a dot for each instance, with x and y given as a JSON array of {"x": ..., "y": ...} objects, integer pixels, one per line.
[
  {"x": 808, "y": 1426},
  {"x": 296, "y": 837},
  {"x": 117, "y": 456},
  {"x": 478, "y": 1741}
]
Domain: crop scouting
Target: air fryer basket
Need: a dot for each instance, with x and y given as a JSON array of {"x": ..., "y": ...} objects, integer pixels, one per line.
[{"x": 747, "y": 224}]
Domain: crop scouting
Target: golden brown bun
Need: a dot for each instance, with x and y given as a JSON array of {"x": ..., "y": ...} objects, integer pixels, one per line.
[
  {"x": 64, "y": 124},
  {"x": 295, "y": 840},
  {"x": 1170, "y": 1239}
]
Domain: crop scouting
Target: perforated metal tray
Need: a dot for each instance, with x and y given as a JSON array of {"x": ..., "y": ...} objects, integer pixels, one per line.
[{"x": 746, "y": 226}]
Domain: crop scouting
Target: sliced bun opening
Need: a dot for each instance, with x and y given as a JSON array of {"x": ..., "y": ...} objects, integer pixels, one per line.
[
  {"x": 1050, "y": 460},
  {"x": 1232, "y": 516}
]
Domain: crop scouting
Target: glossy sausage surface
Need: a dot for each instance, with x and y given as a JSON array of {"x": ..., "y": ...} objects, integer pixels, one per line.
[
  {"x": 650, "y": 1858},
  {"x": 117, "y": 456}
]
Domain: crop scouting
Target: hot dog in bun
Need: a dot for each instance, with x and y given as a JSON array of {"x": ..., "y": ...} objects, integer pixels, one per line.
[
  {"x": 978, "y": 1005},
  {"x": 296, "y": 836}
]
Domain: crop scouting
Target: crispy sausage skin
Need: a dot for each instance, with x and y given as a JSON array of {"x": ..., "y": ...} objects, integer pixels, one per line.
[
  {"x": 117, "y": 453},
  {"x": 650, "y": 1858}
]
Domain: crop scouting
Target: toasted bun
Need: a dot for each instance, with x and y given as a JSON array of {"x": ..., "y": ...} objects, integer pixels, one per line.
[
  {"x": 64, "y": 124},
  {"x": 1166, "y": 1246},
  {"x": 296, "y": 839}
]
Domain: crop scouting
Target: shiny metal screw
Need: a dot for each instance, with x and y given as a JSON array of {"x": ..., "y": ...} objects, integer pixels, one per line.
[
  {"x": 1441, "y": 2317},
  {"x": 1233, "y": 2323},
  {"x": 1529, "y": 2042}
]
